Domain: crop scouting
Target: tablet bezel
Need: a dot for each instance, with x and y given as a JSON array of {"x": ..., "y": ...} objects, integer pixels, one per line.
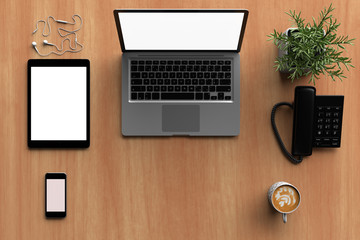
[{"x": 60, "y": 63}]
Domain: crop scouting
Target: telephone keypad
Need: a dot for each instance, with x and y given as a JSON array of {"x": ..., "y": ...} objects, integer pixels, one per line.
[{"x": 328, "y": 120}]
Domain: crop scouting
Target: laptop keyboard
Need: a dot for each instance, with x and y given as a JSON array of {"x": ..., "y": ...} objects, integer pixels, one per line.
[{"x": 192, "y": 79}]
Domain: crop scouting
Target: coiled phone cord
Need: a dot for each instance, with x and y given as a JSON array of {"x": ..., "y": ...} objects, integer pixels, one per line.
[
  {"x": 68, "y": 32},
  {"x": 277, "y": 135}
]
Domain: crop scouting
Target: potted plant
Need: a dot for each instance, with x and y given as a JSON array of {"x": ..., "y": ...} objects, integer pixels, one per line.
[{"x": 312, "y": 48}]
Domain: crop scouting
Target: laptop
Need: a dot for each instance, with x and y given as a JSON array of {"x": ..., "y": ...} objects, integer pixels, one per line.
[{"x": 180, "y": 71}]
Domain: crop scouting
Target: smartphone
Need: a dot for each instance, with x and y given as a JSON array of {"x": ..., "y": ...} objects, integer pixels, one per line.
[{"x": 55, "y": 195}]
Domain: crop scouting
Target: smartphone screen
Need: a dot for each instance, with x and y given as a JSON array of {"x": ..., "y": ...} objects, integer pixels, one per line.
[{"x": 55, "y": 194}]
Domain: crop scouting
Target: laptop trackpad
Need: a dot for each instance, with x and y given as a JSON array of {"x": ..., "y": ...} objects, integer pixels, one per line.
[{"x": 181, "y": 118}]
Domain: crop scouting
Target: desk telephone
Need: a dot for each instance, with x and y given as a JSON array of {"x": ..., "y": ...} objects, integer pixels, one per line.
[{"x": 317, "y": 122}]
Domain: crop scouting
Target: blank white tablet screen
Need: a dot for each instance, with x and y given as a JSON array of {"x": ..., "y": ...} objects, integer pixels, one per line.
[{"x": 58, "y": 103}]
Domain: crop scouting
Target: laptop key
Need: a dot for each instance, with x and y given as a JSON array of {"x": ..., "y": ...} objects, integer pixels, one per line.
[
  {"x": 147, "y": 96},
  {"x": 227, "y": 97},
  {"x": 199, "y": 96},
  {"x": 223, "y": 88},
  {"x": 156, "y": 96},
  {"x": 225, "y": 82},
  {"x": 221, "y": 96},
  {"x": 177, "y": 96},
  {"x": 133, "y": 96},
  {"x": 135, "y": 75},
  {"x": 226, "y": 68},
  {"x": 206, "y": 96},
  {"x": 138, "y": 88},
  {"x": 134, "y": 62},
  {"x": 136, "y": 82},
  {"x": 140, "y": 96}
]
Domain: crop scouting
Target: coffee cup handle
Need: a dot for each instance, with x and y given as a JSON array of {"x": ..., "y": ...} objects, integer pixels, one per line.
[{"x": 284, "y": 217}]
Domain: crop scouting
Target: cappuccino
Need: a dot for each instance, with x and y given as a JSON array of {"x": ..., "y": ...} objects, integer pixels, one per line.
[{"x": 285, "y": 199}]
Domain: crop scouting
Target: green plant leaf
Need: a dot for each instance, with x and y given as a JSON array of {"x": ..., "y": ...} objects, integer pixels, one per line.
[{"x": 311, "y": 50}]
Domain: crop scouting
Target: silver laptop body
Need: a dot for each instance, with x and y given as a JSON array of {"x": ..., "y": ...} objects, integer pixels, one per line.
[{"x": 180, "y": 71}]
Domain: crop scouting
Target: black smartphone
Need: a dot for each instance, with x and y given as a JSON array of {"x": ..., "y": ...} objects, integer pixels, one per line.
[{"x": 55, "y": 195}]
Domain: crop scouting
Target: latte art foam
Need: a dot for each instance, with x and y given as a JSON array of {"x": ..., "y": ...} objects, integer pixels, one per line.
[{"x": 285, "y": 199}]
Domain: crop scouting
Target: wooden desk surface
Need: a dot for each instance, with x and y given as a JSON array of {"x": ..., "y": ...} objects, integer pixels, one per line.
[{"x": 175, "y": 188}]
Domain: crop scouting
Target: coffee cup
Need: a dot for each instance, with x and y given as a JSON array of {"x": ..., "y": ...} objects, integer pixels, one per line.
[{"x": 284, "y": 198}]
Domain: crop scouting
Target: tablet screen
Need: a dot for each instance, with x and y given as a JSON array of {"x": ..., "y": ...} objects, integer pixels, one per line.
[{"x": 58, "y": 103}]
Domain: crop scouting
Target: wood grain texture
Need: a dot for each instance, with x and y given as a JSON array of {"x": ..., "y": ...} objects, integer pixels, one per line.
[{"x": 175, "y": 188}]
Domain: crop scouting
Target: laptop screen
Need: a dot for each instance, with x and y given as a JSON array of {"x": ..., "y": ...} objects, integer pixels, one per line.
[{"x": 181, "y": 30}]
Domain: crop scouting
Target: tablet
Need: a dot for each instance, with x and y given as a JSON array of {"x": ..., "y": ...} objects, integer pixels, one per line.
[{"x": 58, "y": 103}]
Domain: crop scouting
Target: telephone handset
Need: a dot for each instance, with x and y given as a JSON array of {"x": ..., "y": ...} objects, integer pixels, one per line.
[{"x": 317, "y": 122}]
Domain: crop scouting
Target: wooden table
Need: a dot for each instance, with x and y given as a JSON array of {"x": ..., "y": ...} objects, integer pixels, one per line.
[{"x": 175, "y": 188}]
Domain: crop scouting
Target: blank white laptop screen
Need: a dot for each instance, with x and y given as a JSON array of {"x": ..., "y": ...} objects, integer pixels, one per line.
[
  {"x": 181, "y": 30},
  {"x": 58, "y": 103}
]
